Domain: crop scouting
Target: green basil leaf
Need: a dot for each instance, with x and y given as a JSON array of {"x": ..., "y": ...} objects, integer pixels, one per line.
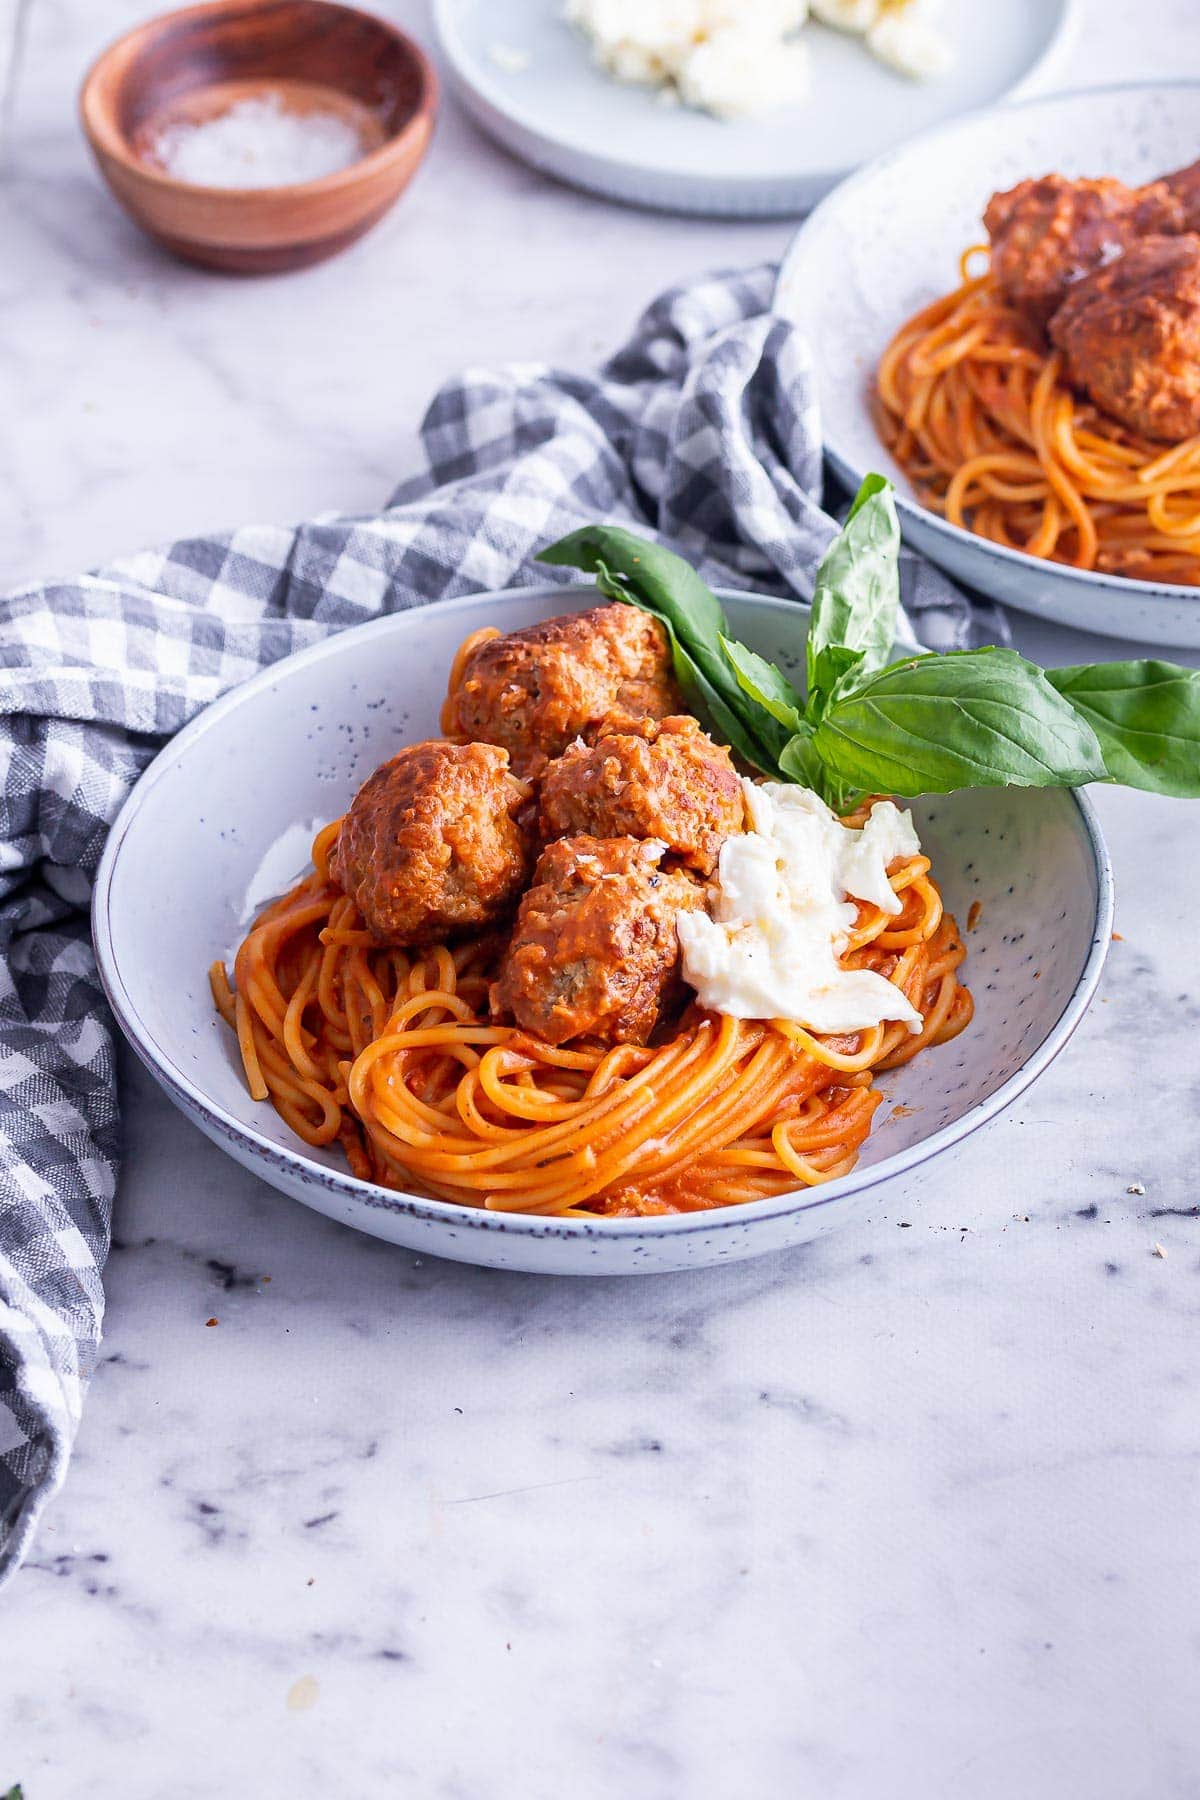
[
  {"x": 1147, "y": 718},
  {"x": 764, "y": 683},
  {"x": 727, "y": 725},
  {"x": 639, "y": 570},
  {"x": 833, "y": 668},
  {"x": 606, "y": 581},
  {"x": 856, "y": 597},
  {"x": 973, "y": 718},
  {"x": 799, "y": 762}
]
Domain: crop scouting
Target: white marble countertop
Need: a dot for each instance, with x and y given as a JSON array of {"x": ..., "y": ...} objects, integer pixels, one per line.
[{"x": 912, "y": 1514}]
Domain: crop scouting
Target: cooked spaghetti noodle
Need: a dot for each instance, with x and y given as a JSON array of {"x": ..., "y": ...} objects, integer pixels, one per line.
[
  {"x": 976, "y": 412},
  {"x": 392, "y": 1054}
]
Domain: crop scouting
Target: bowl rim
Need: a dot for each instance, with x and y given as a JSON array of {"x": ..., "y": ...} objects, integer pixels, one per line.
[
  {"x": 845, "y": 466},
  {"x": 224, "y": 1125},
  {"x": 105, "y": 139},
  {"x": 478, "y": 81}
]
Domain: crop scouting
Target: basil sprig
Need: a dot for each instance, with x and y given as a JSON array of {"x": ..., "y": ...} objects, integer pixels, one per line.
[{"x": 927, "y": 724}]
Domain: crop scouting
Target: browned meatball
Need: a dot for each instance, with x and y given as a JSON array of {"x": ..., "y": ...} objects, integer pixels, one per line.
[
  {"x": 431, "y": 845},
  {"x": 534, "y": 691},
  {"x": 595, "y": 948},
  {"x": 1131, "y": 334},
  {"x": 1047, "y": 234},
  {"x": 662, "y": 779},
  {"x": 1184, "y": 184}
]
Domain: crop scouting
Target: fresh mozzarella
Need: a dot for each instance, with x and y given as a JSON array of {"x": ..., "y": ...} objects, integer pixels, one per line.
[
  {"x": 857, "y": 16},
  {"x": 784, "y": 911},
  {"x": 729, "y": 57},
  {"x": 735, "y": 74},
  {"x": 905, "y": 34},
  {"x": 738, "y": 58},
  {"x": 909, "y": 39}
]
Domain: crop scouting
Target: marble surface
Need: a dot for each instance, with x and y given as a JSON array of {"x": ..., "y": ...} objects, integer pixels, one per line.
[{"x": 912, "y": 1514}]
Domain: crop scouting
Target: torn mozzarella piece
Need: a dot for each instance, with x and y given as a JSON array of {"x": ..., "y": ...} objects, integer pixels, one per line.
[{"x": 784, "y": 911}]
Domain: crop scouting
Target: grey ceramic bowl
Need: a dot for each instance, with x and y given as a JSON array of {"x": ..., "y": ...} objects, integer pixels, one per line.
[
  {"x": 888, "y": 241},
  {"x": 223, "y": 819}
]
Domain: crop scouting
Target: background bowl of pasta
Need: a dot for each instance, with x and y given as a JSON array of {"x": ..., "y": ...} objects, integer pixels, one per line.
[
  {"x": 888, "y": 242},
  {"x": 224, "y": 819}
]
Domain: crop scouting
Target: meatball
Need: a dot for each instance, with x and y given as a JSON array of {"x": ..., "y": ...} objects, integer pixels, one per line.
[
  {"x": 1046, "y": 234},
  {"x": 534, "y": 691},
  {"x": 1184, "y": 184},
  {"x": 431, "y": 845},
  {"x": 595, "y": 950},
  {"x": 663, "y": 779},
  {"x": 1131, "y": 336}
]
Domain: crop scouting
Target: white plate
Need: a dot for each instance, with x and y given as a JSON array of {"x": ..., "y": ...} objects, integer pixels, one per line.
[
  {"x": 198, "y": 836},
  {"x": 565, "y": 117},
  {"x": 888, "y": 241}
]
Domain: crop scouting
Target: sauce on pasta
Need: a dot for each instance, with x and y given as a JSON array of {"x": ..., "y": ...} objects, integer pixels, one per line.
[
  {"x": 393, "y": 1054},
  {"x": 977, "y": 413}
]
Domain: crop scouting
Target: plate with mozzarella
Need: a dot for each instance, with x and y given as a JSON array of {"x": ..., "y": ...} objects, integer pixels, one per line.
[{"x": 735, "y": 108}]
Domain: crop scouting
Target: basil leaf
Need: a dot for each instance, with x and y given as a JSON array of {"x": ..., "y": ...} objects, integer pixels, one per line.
[
  {"x": 1147, "y": 718},
  {"x": 609, "y": 586},
  {"x": 856, "y": 597},
  {"x": 972, "y": 718},
  {"x": 764, "y": 683},
  {"x": 799, "y": 762},
  {"x": 833, "y": 665},
  {"x": 665, "y": 584},
  {"x": 728, "y": 726}
]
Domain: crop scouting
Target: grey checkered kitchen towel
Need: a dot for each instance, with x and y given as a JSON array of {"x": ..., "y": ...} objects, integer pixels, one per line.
[{"x": 702, "y": 429}]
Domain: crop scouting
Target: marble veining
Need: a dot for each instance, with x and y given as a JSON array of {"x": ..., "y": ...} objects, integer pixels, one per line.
[{"x": 908, "y": 1514}]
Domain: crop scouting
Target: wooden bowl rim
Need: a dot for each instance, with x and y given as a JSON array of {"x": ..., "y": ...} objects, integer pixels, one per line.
[{"x": 104, "y": 137}]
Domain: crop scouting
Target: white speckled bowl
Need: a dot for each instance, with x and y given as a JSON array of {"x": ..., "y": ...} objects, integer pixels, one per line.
[
  {"x": 221, "y": 820},
  {"x": 888, "y": 241}
]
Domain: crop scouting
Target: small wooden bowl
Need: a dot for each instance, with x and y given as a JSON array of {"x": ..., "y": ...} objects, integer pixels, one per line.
[{"x": 191, "y": 65}]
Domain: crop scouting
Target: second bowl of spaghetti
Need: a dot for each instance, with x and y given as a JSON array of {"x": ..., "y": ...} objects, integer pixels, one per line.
[{"x": 1027, "y": 460}]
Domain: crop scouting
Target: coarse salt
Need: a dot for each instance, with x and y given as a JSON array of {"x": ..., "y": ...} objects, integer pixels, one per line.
[{"x": 258, "y": 143}]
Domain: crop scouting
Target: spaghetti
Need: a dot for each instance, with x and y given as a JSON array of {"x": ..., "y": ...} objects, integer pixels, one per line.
[
  {"x": 393, "y": 1055},
  {"x": 976, "y": 412}
]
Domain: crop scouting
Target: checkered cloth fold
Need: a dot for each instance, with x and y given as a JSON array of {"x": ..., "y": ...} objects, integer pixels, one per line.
[{"x": 702, "y": 430}]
